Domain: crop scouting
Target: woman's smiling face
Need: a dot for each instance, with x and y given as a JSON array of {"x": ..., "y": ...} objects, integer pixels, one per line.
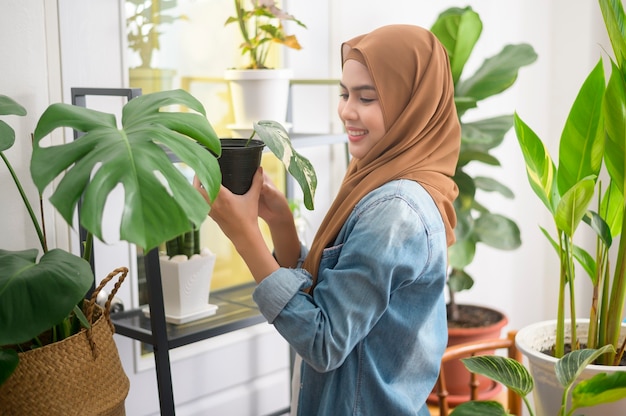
[{"x": 359, "y": 109}]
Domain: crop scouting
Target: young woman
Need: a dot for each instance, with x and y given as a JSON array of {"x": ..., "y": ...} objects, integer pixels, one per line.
[{"x": 365, "y": 310}]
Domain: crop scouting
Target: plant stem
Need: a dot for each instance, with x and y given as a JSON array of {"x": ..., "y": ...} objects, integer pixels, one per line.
[
  {"x": 559, "y": 347},
  {"x": 618, "y": 291},
  {"x": 31, "y": 213},
  {"x": 528, "y": 406},
  {"x": 88, "y": 244},
  {"x": 572, "y": 295}
]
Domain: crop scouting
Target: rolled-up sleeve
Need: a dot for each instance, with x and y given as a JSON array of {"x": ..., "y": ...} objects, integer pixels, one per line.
[{"x": 273, "y": 293}]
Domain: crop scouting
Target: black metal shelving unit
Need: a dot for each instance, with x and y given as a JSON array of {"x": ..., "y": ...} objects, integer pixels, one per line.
[{"x": 236, "y": 310}]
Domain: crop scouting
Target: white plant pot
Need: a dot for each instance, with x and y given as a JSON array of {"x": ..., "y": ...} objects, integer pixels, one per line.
[
  {"x": 258, "y": 94},
  {"x": 186, "y": 286},
  {"x": 548, "y": 391}
]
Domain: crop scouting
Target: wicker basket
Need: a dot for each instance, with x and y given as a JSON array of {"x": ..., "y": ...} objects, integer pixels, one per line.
[{"x": 81, "y": 375}]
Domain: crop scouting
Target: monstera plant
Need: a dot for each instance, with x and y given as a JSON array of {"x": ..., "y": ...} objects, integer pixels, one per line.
[{"x": 40, "y": 292}]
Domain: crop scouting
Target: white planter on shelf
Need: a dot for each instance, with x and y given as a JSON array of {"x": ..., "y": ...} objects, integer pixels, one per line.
[
  {"x": 258, "y": 94},
  {"x": 548, "y": 391},
  {"x": 186, "y": 286}
]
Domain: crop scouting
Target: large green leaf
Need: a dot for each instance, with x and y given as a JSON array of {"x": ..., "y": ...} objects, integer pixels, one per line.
[
  {"x": 36, "y": 296},
  {"x": 461, "y": 253},
  {"x": 485, "y": 134},
  {"x": 484, "y": 408},
  {"x": 497, "y": 231},
  {"x": 492, "y": 185},
  {"x": 614, "y": 116},
  {"x": 571, "y": 366},
  {"x": 539, "y": 165},
  {"x": 612, "y": 208},
  {"x": 458, "y": 30},
  {"x": 460, "y": 280},
  {"x": 573, "y": 205},
  {"x": 275, "y": 137},
  {"x": 614, "y": 20},
  {"x": 159, "y": 203},
  {"x": 8, "y": 363},
  {"x": 497, "y": 73},
  {"x": 505, "y": 370},
  {"x": 8, "y": 106},
  {"x": 582, "y": 141},
  {"x": 601, "y": 388}
]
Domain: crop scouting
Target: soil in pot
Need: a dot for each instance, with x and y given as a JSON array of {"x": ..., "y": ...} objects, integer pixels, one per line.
[{"x": 238, "y": 163}]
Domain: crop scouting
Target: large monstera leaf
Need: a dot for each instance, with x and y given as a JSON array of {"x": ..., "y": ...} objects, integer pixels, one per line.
[
  {"x": 38, "y": 295},
  {"x": 159, "y": 203}
]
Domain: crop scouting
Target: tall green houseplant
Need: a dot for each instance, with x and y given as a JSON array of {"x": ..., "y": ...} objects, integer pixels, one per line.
[
  {"x": 459, "y": 29},
  {"x": 592, "y": 146}
]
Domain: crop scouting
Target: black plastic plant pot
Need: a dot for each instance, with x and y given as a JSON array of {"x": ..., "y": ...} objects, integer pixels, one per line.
[{"x": 239, "y": 162}]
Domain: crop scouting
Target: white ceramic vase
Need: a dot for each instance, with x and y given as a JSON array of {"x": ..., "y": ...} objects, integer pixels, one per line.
[
  {"x": 186, "y": 286},
  {"x": 548, "y": 391},
  {"x": 258, "y": 94}
]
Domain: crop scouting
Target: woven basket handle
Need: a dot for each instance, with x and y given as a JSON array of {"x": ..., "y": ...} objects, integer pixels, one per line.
[{"x": 122, "y": 272}]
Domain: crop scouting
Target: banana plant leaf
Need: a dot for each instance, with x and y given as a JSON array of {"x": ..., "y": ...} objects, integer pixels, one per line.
[{"x": 159, "y": 203}]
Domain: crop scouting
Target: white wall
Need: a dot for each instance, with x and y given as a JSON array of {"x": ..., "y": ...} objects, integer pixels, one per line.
[{"x": 41, "y": 61}]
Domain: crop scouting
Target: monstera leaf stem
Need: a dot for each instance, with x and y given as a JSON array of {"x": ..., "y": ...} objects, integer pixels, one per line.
[{"x": 31, "y": 213}]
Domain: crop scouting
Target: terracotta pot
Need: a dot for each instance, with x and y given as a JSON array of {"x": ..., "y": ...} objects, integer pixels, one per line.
[
  {"x": 457, "y": 376},
  {"x": 548, "y": 391},
  {"x": 239, "y": 162}
]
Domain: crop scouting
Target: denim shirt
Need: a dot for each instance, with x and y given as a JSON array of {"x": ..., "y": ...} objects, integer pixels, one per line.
[{"x": 372, "y": 335}]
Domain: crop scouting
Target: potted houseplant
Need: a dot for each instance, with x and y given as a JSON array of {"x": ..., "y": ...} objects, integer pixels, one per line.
[
  {"x": 260, "y": 26},
  {"x": 186, "y": 272},
  {"x": 459, "y": 29},
  {"x": 591, "y": 147},
  {"x": 143, "y": 22},
  {"x": 599, "y": 390},
  {"x": 38, "y": 294}
]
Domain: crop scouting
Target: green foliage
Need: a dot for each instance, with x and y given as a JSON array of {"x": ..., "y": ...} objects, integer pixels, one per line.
[
  {"x": 261, "y": 26},
  {"x": 143, "y": 25},
  {"x": 459, "y": 29},
  {"x": 594, "y": 132},
  {"x": 156, "y": 207},
  {"x": 599, "y": 389},
  {"x": 275, "y": 137},
  {"x": 42, "y": 293},
  {"x": 159, "y": 202}
]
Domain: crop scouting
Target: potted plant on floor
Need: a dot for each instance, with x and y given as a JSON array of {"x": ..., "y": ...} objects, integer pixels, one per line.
[
  {"x": 459, "y": 29},
  {"x": 592, "y": 147},
  {"x": 260, "y": 26},
  {"x": 37, "y": 294}
]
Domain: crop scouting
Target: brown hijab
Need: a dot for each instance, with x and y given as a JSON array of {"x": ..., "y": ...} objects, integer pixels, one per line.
[{"x": 411, "y": 74}]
